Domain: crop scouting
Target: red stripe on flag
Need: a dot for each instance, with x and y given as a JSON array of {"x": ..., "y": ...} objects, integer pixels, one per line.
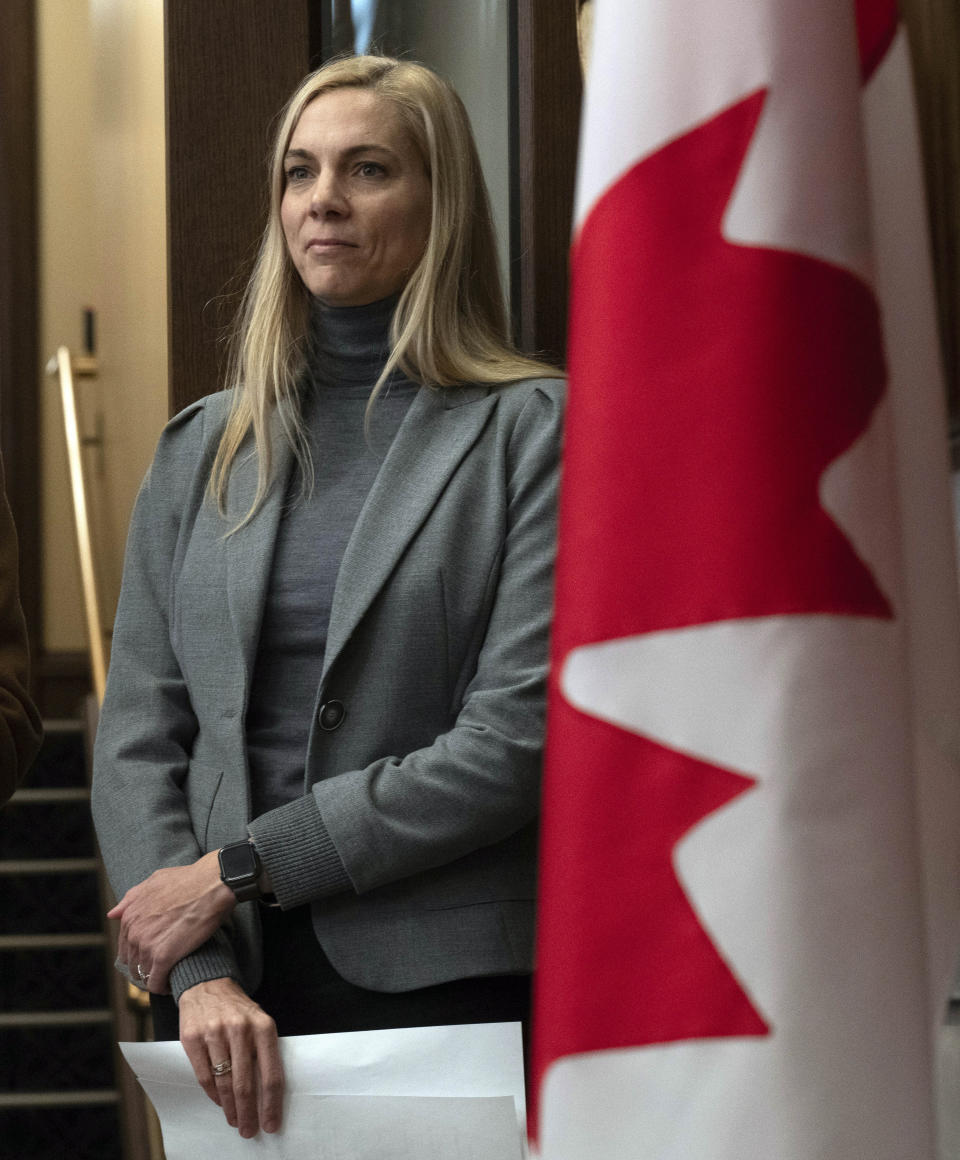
[
  {"x": 876, "y": 27},
  {"x": 711, "y": 385}
]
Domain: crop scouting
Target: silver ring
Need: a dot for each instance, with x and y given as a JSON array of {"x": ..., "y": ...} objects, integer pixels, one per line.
[
  {"x": 222, "y": 1068},
  {"x": 144, "y": 978}
]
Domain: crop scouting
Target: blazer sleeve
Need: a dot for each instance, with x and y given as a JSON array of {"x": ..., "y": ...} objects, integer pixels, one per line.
[
  {"x": 19, "y": 721},
  {"x": 479, "y": 782},
  {"x": 147, "y": 724}
]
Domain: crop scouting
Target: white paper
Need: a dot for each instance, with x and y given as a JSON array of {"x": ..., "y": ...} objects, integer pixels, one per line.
[{"x": 420, "y": 1093}]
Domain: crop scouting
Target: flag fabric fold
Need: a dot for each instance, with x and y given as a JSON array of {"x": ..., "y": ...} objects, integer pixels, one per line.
[{"x": 750, "y": 868}]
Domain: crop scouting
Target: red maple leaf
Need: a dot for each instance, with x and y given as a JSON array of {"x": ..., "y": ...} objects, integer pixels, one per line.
[{"x": 712, "y": 383}]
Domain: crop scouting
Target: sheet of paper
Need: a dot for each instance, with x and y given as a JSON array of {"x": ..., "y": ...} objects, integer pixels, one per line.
[
  {"x": 422, "y": 1093},
  {"x": 351, "y": 1128}
]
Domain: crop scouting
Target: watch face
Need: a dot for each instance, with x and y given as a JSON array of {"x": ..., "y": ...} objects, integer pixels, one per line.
[{"x": 238, "y": 862}]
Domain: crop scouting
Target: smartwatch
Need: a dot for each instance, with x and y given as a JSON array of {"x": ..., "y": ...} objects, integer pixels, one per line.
[{"x": 240, "y": 869}]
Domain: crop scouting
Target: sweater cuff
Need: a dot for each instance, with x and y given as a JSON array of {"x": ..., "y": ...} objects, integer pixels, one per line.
[
  {"x": 299, "y": 854},
  {"x": 213, "y": 959}
]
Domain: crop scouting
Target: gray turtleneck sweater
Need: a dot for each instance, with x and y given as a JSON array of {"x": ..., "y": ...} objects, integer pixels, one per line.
[{"x": 348, "y": 349}]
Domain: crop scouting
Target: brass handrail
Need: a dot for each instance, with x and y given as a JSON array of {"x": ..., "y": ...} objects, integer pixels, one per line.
[
  {"x": 64, "y": 365},
  {"x": 98, "y": 660},
  {"x": 131, "y": 1006}
]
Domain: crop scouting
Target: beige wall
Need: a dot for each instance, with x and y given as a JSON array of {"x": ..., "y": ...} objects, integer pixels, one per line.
[{"x": 102, "y": 244}]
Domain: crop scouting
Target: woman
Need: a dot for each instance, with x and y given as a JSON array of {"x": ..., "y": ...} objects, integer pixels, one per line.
[{"x": 327, "y": 681}]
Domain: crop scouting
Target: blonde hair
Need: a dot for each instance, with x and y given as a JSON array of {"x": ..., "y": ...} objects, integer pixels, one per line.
[{"x": 450, "y": 324}]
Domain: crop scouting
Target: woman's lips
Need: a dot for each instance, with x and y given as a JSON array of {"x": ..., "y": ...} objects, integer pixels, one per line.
[{"x": 328, "y": 244}]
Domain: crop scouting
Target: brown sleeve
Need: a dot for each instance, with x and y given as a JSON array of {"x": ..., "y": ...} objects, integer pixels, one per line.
[{"x": 19, "y": 720}]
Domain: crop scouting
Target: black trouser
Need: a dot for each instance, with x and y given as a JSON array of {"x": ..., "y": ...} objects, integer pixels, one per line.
[{"x": 306, "y": 996}]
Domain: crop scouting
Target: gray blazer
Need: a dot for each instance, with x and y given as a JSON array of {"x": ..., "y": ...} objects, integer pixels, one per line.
[{"x": 437, "y": 645}]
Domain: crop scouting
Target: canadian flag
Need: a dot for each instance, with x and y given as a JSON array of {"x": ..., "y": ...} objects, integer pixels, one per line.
[{"x": 750, "y": 883}]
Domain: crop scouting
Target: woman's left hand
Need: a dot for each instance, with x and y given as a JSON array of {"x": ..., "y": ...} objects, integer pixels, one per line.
[
  {"x": 232, "y": 1045},
  {"x": 167, "y": 916}
]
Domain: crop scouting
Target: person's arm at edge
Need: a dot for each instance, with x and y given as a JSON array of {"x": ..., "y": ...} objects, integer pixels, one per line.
[{"x": 20, "y": 729}]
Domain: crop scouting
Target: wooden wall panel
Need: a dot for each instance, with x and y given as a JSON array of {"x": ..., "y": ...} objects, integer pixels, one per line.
[
  {"x": 19, "y": 349},
  {"x": 934, "y": 27},
  {"x": 230, "y": 65},
  {"x": 547, "y": 128}
]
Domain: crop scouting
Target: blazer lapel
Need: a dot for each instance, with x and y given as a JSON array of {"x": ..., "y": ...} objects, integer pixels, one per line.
[
  {"x": 249, "y": 551},
  {"x": 438, "y": 430}
]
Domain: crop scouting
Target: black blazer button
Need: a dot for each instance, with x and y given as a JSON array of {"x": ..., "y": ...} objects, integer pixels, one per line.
[{"x": 331, "y": 715}]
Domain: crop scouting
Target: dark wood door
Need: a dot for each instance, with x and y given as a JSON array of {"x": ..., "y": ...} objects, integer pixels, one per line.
[
  {"x": 19, "y": 340},
  {"x": 230, "y": 65}
]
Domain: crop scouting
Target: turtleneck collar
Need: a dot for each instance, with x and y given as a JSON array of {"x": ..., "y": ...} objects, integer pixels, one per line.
[{"x": 350, "y": 344}]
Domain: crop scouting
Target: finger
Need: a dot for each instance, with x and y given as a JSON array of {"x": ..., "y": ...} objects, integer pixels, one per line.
[
  {"x": 137, "y": 960},
  {"x": 269, "y": 1074},
  {"x": 198, "y": 1054},
  {"x": 219, "y": 1055},
  {"x": 130, "y": 951},
  {"x": 158, "y": 981},
  {"x": 243, "y": 1089},
  {"x": 123, "y": 946}
]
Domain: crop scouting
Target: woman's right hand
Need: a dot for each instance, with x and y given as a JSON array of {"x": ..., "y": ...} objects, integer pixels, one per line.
[{"x": 221, "y": 1025}]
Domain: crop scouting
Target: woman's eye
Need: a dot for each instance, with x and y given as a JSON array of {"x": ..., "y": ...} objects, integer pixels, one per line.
[
  {"x": 370, "y": 169},
  {"x": 297, "y": 173}
]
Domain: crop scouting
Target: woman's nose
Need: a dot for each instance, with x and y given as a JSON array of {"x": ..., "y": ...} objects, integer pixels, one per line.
[{"x": 327, "y": 195}]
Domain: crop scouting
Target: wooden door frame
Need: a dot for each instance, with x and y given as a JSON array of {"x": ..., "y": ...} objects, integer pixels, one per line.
[
  {"x": 19, "y": 301},
  {"x": 546, "y": 128}
]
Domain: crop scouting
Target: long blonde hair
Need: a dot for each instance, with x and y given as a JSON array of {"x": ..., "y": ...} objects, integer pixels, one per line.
[{"x": 450, "y": 324}]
